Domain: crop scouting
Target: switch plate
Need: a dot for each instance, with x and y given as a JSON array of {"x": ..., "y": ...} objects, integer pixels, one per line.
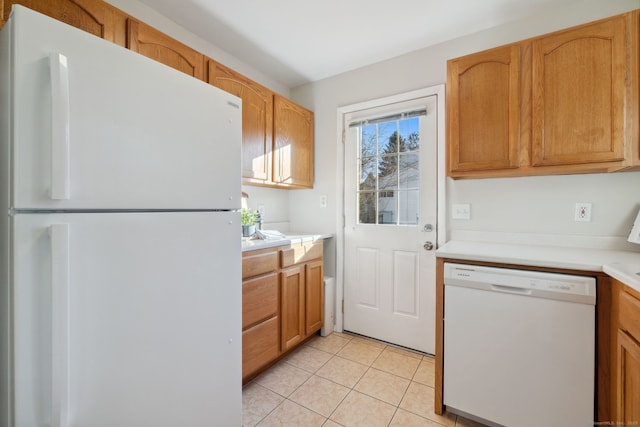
[
  {"x": 583, "y": 212},
  {"x": 323, "y": 201},
  {"x": 461, "y": 211}
]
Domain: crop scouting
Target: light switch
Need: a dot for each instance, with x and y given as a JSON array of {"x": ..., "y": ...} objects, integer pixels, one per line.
[{"x": 461, "y": 211}]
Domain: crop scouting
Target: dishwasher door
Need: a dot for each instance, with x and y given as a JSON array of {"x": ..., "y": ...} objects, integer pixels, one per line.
[{"x": 519, "y": 346}]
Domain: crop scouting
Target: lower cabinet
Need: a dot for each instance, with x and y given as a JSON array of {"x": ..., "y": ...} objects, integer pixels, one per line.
[
  {"x": 302, "y": 302},
  {"x": 628, "y": 380},
  {"x": 260, "y": 310},
  {"x": 627, "y": 359},
  {"x": 314, "y": 296},
  {"x": 282, "y": 302},
  {"x": 293, "y": 306}
]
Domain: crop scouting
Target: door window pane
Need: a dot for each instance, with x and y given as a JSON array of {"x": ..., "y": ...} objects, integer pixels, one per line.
[
  {"x": 367, "y": 207},
  {"x": 408, "y": 207},
  {"x": 388, "y": 156},
  {"x": 409, "y": 170},
  {"x": 387, "y": 137},
  {"x": 388, "y": 172},
  {"x": 368, "y": 173},
  {"x": 387, "y": 213},
  {"x": 409, "y": 134}
]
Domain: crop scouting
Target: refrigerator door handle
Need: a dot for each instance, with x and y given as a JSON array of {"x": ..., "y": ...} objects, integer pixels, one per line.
[
  {"x": 59, "y": 74},
  {"x": 59, "y": 236}
]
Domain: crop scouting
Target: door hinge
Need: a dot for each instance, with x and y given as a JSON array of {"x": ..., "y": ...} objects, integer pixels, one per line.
[
  {"x": 344, "y": 135},
  {"x": 342, "y": 306}
]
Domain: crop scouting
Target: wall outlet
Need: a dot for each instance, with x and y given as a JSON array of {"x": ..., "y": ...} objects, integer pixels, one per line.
[
  {"x": 583, "y": 212},
  {"x": 323, "y": 201},
  {"x": 461, "y": 211}
]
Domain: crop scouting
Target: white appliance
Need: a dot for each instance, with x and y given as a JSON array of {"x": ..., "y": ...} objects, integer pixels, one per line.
[
  {"x": 519, "y": 346},
  {"x": 120, "y": 253}
]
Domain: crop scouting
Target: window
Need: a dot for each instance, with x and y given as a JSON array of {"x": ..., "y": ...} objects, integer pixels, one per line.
[{"x": 388, "y": 160}]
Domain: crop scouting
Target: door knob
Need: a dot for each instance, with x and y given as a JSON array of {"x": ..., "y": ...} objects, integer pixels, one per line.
[{"x": 428, "y": 245}]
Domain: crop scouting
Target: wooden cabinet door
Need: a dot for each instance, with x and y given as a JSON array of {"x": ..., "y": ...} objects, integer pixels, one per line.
[
  {"x": 628, "y": 380},
  {"x": 578, "y": 94},
  {"x": 257, "y": 120},
  {"x": 292, "y": 300},
  {"x": 314, "y": 295},
  {"x": 154, "y": 44},
  {"x": 93, "y": 16},
  {"x": 483, "y": 110},
  {"x": 293, "y": 144},
  {"x": 259, "y": 346}
]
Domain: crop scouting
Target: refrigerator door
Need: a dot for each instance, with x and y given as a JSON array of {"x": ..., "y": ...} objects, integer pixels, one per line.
[
  {"x": 96, "y": 126},
  {"x": 127, "y": 319}
]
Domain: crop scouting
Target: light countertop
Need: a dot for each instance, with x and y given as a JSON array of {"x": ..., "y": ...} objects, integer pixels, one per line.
[
  {"x": 621, "y": 265},
  {"x": 290, "y": 238}
]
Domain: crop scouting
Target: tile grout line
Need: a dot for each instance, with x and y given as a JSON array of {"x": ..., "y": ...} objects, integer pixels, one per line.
[{"x": 350, "y": 339}]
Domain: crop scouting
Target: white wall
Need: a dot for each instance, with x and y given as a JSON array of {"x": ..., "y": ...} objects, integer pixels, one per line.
[{"x": 511, "y": 205}]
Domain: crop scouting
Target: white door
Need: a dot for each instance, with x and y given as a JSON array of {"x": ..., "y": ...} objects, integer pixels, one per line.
[
  {"x": 390, "y": 223},
  {"x": 127, "y": 319},
  {"x": 103, "y": 127}
]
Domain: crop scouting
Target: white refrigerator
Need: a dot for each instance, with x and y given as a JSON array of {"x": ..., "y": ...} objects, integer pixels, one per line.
[{"x": 120, "y": 289}]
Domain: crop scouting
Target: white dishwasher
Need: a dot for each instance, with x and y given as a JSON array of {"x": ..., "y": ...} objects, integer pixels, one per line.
[{"x": 519, "y": 346}]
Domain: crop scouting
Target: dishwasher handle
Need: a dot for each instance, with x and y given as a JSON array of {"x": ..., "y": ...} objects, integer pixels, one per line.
[{"x": 511, "y": 289}]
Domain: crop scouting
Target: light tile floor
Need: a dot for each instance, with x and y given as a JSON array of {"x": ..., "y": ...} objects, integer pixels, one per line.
[{"x": 346, "y": 380}]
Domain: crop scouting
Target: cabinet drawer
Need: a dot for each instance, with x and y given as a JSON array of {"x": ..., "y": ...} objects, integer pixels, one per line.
[
  {"x": 300, "y": 253},
  {"x": 630, "y": 315},
  {"x": 259, "y": 299},
  {"x": 259, "y": 346},
  {"x": 259, "y": 262}
]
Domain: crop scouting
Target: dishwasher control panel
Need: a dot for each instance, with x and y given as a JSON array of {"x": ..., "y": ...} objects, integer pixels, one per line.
[{"x": 535, "y": 283}]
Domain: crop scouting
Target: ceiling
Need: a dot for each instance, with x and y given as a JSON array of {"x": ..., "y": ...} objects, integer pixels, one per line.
[{"x": 300, "y": 41}]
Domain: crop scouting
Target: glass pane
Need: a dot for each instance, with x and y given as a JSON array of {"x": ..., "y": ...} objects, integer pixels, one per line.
[
  {"x": 409, "y": 202},
  {"x": 387, "y": 137},
  {"x": 409, "y": 171},
  {"x": 368, "y": 141},
  {"x": 368, "y": 175},
  {"x": 367, "y": 207},
  {"x": 387, "y": 207},
  {"x": 409, "y": 134},
  {"x": 388, "y": 172},
  {"x": 389, "y": 180}
]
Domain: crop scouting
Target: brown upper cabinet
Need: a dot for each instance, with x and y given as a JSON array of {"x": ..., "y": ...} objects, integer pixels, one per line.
[
  {"x": 93, "y": 16},
  {"x": 156, "y": 45},
  {"x": 257, "y": 121},
  {"x": 566, "y": 102},
  {"x": 293, "y": 144},
  {"x": 579, "y": 86},
  {"x": 277, "y": 134},
  {"x": 484, "y": 110}
]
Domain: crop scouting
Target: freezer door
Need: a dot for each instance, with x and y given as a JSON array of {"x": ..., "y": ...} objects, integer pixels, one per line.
[
  {"x": 97, "y": 126},
  {"x": 127, "y": 319}
]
